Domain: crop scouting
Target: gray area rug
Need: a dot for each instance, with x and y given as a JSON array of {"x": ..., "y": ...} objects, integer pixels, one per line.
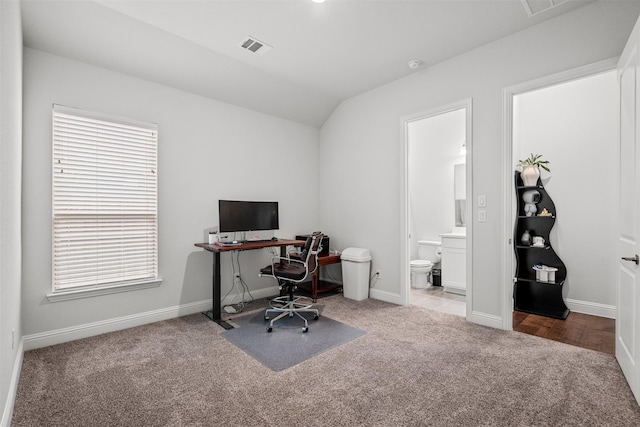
[
  {"x": 413, "y": 367},
  {"x": 287, "y": 346}
]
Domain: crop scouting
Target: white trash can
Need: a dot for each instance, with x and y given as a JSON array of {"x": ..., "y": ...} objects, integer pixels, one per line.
[{"x": 355, "y": 273}]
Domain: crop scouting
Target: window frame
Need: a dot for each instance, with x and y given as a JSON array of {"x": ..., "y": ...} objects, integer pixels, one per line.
[{"x": 120, "y": 210}]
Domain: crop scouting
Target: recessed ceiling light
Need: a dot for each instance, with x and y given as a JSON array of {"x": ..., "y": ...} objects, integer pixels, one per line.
[{"x": 318, "y": 1}]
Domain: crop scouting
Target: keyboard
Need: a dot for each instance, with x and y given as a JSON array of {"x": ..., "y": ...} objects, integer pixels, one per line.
[
  {"x": 224, "y": 244},
  {"x": 259, "y": 240}
]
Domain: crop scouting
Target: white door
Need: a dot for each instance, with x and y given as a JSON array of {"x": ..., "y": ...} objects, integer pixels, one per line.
[{"x": 628, "y": 280}]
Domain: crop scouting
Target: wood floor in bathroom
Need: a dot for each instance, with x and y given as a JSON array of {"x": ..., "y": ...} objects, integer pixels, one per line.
[{"x": 582, "y": 330}]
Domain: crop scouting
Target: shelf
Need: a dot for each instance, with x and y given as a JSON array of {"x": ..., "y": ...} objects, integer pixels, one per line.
[
  {"x": 555, "y": 314},
  {"x": 534, "y": 187},
  {"x": 531, "y": 295},
  {"x": 522, "y": 279}
]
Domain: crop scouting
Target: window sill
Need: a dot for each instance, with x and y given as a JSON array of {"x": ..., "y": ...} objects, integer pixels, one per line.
[{"x": 71, "y": 294}]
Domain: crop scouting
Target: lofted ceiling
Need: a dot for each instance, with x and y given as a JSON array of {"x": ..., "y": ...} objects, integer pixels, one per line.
[{"x": 320, "y": 54}]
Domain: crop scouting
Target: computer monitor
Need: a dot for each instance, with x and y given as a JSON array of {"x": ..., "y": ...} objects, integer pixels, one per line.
[{"x": 237, "y": 215}]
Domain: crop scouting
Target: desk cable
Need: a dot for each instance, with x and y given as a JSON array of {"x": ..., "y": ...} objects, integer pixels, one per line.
[{"x": 242, "y": 290}]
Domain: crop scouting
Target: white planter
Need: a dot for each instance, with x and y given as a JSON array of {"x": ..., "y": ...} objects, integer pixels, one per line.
[{"x": 530, "y": 175}]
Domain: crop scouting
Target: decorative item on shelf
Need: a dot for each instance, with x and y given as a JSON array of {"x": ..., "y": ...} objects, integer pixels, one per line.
[
  {"x": 530, "y": 169},
  {"x": 538, "y": 241},
  {"x": 545, "y": 212},
  {"x": 545, "y": 273},
  {"x": 530, "y": 198},
  {"x": 526, "y": 238}
]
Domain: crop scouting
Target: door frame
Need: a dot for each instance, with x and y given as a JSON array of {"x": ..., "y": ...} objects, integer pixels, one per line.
[
  {"x": 405, "y": 238},
  {"x": 509, "y": 206}
]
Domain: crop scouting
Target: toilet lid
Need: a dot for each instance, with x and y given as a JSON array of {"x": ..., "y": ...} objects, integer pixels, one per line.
[{"x": 420, "y": 263}]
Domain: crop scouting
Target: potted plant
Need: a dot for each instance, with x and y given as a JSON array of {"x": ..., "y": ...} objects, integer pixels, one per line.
[{"x": 530, "y": 169}]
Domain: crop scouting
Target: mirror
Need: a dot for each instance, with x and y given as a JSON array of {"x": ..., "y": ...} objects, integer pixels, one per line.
[{"x": 460, "y": 193}]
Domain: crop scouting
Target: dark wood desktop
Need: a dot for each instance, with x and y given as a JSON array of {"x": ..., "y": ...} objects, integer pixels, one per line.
[{"x": 214, "y": 314}]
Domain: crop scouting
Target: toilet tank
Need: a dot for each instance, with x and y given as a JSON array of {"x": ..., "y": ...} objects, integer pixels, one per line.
[{"x": 430, "y": 250}]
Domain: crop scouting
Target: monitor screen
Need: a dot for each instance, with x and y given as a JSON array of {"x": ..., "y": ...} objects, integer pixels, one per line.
[{"x": 238, "y": 215}]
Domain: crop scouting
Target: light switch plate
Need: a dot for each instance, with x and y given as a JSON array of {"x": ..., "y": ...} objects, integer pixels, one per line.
[
  {"x": 482, "y": 201},
  {"x": 482, "y": 215}
]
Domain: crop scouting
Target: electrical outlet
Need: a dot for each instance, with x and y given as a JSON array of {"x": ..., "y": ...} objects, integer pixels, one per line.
[{"x": 379, "y": 275}]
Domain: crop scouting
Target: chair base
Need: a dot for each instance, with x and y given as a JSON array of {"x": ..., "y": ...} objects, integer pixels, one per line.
[{"x": 287, "y": 306}]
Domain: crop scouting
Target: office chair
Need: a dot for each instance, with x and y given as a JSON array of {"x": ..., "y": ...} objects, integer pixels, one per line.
[{"x": 289, "y": 272}]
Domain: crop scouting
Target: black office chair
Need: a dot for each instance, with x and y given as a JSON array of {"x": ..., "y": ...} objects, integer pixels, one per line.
[{"x": 289, "y": 272}]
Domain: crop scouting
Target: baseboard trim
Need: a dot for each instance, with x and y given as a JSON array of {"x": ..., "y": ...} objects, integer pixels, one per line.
[
  {"x": 485, "y": 319},
  {"x": 59, "y": 336},
  {"x": 592, "y": 308},
  {"x": 385, "y": 296},
  {"x": 7, "y": 413}
]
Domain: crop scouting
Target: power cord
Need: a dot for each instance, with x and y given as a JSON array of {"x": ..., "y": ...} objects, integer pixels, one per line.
[{"x": 240, "y": 286}]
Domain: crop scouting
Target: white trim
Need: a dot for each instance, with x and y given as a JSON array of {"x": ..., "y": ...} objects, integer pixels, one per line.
[
  {"x": 507, "y": 211},
  {"x": 70, "y": 294},
  {"x": 386, "y": 296},
  {"x": 467, "y": 104},
  {"x": 7, "y": 413},
  {"x": 507, "y": 162},
  {"x": 592, "y": 308},
  {"x": 485, "y": 319},
  {"x": 59, "y": 336}
]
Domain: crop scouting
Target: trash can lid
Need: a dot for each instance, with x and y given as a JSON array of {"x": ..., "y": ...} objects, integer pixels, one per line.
[{"x": 356, "y": 255}]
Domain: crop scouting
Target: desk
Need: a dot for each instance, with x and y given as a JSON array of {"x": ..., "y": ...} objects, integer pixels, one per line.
[{"x": 215, "y": 280}]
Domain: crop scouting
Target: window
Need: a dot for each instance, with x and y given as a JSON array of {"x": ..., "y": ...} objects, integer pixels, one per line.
[{"x": 105, "y": 222}]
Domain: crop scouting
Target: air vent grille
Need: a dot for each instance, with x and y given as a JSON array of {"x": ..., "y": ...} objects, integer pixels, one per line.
[
  {"x": 534, "y": 7},
  {"x": 254, "y": 45}
]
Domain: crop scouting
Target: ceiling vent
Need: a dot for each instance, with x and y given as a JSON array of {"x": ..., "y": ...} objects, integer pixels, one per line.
[
  {"x": 254, "y": 45},
  {"x": 534, "y": 7}
]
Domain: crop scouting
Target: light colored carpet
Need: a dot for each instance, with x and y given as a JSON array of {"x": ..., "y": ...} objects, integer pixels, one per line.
[{"x": 413, "y": 367}]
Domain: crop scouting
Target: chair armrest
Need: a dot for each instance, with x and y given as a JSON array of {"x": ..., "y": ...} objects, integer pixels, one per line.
[{"x": 286, "y": 259}]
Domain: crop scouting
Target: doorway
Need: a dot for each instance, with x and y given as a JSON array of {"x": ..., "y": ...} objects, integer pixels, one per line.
[
  {"x": 571, "y": 119},
  {"x": 437, "y": 180}
]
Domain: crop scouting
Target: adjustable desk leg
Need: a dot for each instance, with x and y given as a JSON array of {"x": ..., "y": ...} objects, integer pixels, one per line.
[{"x": 214, "y": 314}]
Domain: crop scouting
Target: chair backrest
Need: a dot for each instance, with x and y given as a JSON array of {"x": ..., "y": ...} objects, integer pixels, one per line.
[{"x": 310, "y": 251}]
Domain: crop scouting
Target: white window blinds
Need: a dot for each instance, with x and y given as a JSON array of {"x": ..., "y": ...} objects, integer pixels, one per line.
[{"x": 105, "y": 223}]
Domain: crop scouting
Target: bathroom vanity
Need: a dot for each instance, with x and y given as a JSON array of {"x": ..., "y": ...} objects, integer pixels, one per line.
[{"x": 454, "y": 262}]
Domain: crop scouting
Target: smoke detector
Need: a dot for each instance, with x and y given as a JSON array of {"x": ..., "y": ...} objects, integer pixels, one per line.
[
  {"x": 414, "y": 63},
  {"x": 254, "y": 45}
]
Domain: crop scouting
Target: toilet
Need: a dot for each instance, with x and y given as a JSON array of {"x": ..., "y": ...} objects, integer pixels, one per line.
[{"x": 429, "y": 254}]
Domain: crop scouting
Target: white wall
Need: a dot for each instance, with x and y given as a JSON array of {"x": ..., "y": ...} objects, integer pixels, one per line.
[
  {"x": 575, "y": 126},
  {"x": 10, "y": 206},
  {"x": 434, "y": 148},
  {"x": 208, "y": 150},
  {"x": 362, "y": 141}
]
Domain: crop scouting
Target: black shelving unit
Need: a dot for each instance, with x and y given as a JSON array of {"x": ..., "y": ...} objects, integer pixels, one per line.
[{"x": 532, "y": 295}]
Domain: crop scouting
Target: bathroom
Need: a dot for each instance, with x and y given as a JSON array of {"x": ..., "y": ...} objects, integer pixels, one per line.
[{"x": 436, "y": 147}]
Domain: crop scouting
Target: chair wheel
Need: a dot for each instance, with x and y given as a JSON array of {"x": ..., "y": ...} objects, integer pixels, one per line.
[
  {"x": 269, "y": 329},
  {"x": 316, "y": 317},
  {"x": 305, "y": 329}
]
